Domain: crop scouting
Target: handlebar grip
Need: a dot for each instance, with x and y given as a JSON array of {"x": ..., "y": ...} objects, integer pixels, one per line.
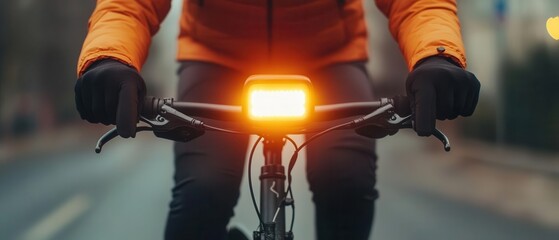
[
  {"x": 402, "y": 105},
  {"x": 151, "y": 106}
]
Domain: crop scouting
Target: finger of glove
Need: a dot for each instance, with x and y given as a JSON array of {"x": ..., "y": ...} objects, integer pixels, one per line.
[
  {"x": 424, "y": 102},
  {"x": 127, "y": 110},
  {"x": 87, "y": 100},
  {"x": 473, "y": 96},
  {"x": 445, "y": 103},
  {"x": 461, "y": 97},
  {"x": 463, "y": 92},
  {"x": 78, "y": 99},
  {"x": 111, "y": 103},
  {"x": 98, "y": 104}
]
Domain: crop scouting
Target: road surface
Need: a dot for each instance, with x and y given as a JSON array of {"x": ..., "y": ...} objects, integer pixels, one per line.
[{"x": 123, "y": 193}]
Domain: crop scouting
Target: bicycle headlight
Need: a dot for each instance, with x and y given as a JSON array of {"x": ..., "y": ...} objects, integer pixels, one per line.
[{"x": 277, "y": 98}]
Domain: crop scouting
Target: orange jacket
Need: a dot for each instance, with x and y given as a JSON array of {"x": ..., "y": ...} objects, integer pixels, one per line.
[{"x": 303, "y": 33}]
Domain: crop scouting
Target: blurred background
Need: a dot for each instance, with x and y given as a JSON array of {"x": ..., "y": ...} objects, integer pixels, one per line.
[{"x": 500, "y": 181}]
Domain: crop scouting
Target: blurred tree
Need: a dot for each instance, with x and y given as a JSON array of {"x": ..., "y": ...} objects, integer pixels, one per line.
[
  {"x": 39, "y": 46},
  {"x": 482, "y": 125},
  {"x": 532, "y": 102},
  {"x": 61, "y": 25},
  {"x": 3, "y": 37}
]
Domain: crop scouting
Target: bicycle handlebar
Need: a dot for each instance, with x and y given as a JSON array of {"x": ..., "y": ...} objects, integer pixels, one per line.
[
  {"x": 152, "y": 106},
  {"x": 168, "y": 119}
]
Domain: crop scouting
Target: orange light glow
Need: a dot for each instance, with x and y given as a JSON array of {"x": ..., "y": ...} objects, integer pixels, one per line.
[
  {"x": 277, "y": 103},
  {"x": 281, "y": 99}
]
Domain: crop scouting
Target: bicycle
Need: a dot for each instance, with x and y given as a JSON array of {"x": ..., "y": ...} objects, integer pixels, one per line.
[{"x": 274, "y": 106}]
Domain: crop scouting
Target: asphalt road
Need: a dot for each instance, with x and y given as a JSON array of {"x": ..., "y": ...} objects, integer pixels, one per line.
[{"x": 124, "y": 192}]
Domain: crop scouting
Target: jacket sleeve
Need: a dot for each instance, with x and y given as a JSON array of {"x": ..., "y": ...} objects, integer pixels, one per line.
[
  {"x": 422, "y": 26},
  {"x": 122, "y": 30}
]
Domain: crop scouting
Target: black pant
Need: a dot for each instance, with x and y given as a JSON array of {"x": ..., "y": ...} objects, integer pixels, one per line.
[{"x": 340, "y": 165}]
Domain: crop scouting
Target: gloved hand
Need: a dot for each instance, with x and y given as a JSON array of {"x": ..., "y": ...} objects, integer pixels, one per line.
[
  {"x": 440, "y": 89},
  {"x": 109, "y": 92}
]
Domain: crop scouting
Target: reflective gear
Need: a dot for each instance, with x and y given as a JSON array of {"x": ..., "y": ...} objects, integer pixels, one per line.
[{"x": 304, "y": 33}]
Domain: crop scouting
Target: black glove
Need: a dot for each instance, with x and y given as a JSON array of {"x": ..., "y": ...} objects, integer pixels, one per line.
[
  {"x": 440, "y": 89},
  {"x": 109, "y": 92}
]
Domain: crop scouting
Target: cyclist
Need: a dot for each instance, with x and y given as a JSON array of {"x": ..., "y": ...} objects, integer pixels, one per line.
[{"x": 222, "y": 42}]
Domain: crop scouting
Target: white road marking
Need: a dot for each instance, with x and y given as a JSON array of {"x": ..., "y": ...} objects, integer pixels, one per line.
[{"x": 55, "y": 221}]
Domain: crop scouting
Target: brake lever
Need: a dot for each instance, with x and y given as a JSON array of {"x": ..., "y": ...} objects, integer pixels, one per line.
[
  {"x": 443, "y": 138},
  {"x": 174, "y": 125},
  {"x": 407, "y": 122},
  {"x": 401, "y": 122},
  {"x": 170, "y": 124},
  {"x": 111, "y": 134}
]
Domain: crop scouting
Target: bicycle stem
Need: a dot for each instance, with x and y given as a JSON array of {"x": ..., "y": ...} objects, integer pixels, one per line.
[{"x": 272, "y": 190}]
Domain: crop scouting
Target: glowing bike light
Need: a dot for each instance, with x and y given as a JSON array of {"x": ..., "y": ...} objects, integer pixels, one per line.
[
  {"x": 277, "y": 98},
  {"x": 285, "y": 103}
]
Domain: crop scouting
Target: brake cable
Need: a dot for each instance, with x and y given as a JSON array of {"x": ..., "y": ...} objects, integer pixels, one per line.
[{"x": 352, "y": 123}]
